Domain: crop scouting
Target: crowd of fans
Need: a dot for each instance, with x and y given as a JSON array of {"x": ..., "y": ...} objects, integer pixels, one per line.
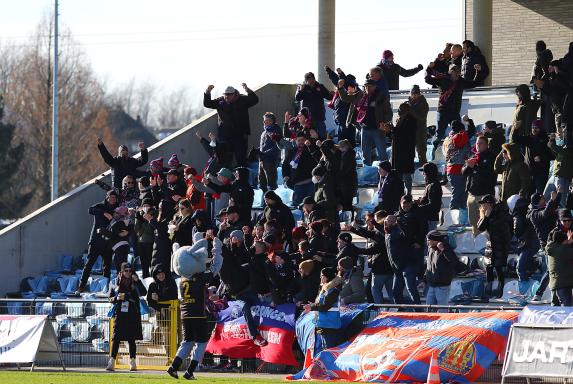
[{"x": 312, "y": 262}]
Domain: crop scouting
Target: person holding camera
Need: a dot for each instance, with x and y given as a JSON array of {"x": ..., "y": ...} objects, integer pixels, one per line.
[{"x": 127, "y": 315}]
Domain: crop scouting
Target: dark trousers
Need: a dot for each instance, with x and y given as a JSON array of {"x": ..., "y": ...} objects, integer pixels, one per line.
[
  {"x": 145, "y": 251},
  {"x": 120, "y": 256},
  {"x": 268, "y": 174},
  {"x": 115, "y": 348},
  {"x": 238, "y": 147},
  {"x": 93, "y": 253},
  {"x": 564, "y": 296},
  {"x": 405, "y": 278},
  {"x": 347, "y": 133},
  {"x": 249, "y": 299},
  {"x": 490, "y": 277},
  {"x": 444, "y": 119}
]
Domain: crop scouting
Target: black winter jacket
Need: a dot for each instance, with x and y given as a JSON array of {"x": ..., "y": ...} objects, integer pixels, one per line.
[
  {"x": 313, "y": 99},
  {"x": 440, "y": 267},
  {"x": 121, "y": 167},
  {"x": 100, "y": 221},
  {"x": 499, "y": 227},
  {"x": 393, "y": 72},
  {"x": 544, "y": 220},
  {"x": 481, "y": 179},
  {"x": 233, "y": 117}
]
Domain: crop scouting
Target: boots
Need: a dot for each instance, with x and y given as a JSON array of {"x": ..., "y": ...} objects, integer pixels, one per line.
[
  {"x": 110, "y": 365},
  {"x": 174, "y": 367},
  {"x": 132, "y": 365},
  {"x": 188, "y": 375}
]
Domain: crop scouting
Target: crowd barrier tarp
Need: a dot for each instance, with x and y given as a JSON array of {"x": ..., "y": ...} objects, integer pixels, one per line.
[
  {"x": 539, "y": 351},
  {"x": 546, "y": 315},
  {"x": 27, "y": 339},
  {"x": 397, "y": 347},
  {"x": 276, "y": 324},
  {"x": 541, "y": 343},
  {"x": 305, "y": 326}
]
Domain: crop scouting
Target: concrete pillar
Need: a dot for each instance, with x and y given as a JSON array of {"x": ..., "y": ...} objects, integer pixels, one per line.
[
  {"x": 482, "y": 21},
  {"x": 326, "y": 38}
]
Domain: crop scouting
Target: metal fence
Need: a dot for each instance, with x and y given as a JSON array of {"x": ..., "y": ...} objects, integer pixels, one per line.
[{"x": 83, "y": 330}]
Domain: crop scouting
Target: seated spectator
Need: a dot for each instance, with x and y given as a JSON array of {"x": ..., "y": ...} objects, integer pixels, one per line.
[
  {"x": 305, "y": 287},
  {"x": 352, "y": 290},
  {"x": 281, "y": 275}
]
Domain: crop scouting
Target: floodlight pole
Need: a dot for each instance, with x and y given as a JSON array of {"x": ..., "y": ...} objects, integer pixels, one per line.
[{"x": 55, "y": 109}]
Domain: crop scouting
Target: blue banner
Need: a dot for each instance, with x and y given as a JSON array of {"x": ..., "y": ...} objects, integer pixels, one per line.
[{"x": 546, "y": 315}]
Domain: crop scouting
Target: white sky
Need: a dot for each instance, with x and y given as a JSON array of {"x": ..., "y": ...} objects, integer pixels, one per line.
[{"x": 193, "y": 43}]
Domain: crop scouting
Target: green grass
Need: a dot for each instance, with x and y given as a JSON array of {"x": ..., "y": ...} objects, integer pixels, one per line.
[{"x": 14, "y": 377}]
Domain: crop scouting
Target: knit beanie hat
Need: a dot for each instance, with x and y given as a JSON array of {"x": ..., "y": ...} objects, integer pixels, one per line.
[
  {"x": 237, "y": 234},
  {"x": 156, "y": 166},
  {"x": 387, "y": 54},
  {"x": 173, "y": 161}
]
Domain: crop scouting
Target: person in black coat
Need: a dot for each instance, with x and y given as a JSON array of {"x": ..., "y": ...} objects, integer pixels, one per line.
[
  {"x": 281, "y": 275},
  {"x": 390, "y": 188},
  {"x": 277, "y": 210},
  {"x": 123, "y": 165},
  {"x": 202, "y": 222},
  {"x": 415, "y": 227},
  {"x": 304, "y": 288},
  {"x": 498, "y": 224},
  {"x": 538, "y": 155},
  {"x": 162, "y": 288},
  {"x": 297, "y": 170},
  {"x": 173, "y": 188},
  {"x": 480, "y": 179},
  {"x": 117, "y": 238},
  {"x": 347, "y": 185},
  {"x": 183, "y": 231},
  {"x": 312, "y": 95},
  {"x": 258, "y": 278},
  {"x": 97, "y": 245},
  {"x": 404, "y": 145},
  {"x": 528, "y": 242},
  {"x": 162, "y": 242},
  {"x": 234, "y": 126},
  {"x": 325, "y": 193},
  {"x": 472, "y": 57},
  {"x": 127, "y": 316},
  {"x": 240, "y": 192},
  {"x": 341, "y": 107},
  {"x": 430, "y": 203},
  {"x": 393, "y": 71}
]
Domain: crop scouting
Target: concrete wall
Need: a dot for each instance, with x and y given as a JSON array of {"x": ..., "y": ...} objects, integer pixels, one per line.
[
  {"x": 516, "y": 26},
  {"x": 32, "y": 245}
]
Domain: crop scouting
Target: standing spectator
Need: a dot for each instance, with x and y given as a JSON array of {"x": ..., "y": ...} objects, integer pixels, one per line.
[
  {"x": 162, "y": 288},
  {"x": 193, "y": 194},
  {"x": 514, "y": 172},
  {"x": 538, "y": 155},
  {"x": 480, "y": 179},
  {"x": 174, "y": 190},
  {"x": 456, "y": 55},
  {"x": 439, "y": 269},
  {"x": 270, "y": 152},
  {"x": 122, "y": 165},
  {"x": 127, "y": 317},
  {"x": 390, "y": 188},
  {"x": 347, "y": 187},
  {"x": 414, "y": 225},
  {"x": 562, "y": 170},
  {"x": 560, "y": 266},
  {"x": 393, "y": 71},
  {"x": 325, "y": 193},
  {"x": 404, "y": 145},
  {"x": 443, "y": 60},
  {"x": 240, "y": 191},
  {"x": 144, "y": 188},
  {"x": 528, "y": 242},
  {"x": 327, "y": 310},
  {"x": 523, "y": 114},
  {"x": 276, "y": 210},
  {"x": 458, "y": 151},
  {"x": 297, "y": 170},
  {"x": 450, "y": 99},
  {"x": 352, "y": 290},
  {"x": 373, "y": 114},
  {"x": 495, "y": 136},
  {"x": 430, "y": 203},
  {"x": 404, "y": 267},
  {"x": 377, "y": 75},
  {"x": 419, "y": 109},
  {"x": 183, "y": 231},
  {"x": 312, "y": 95},
  {"x": 161, "y": 241},
  {"x": 351, "y": 94},
  {"x": 233, "y": 111},
  {"x": 97, "y": 246},
  {"x": 235, "y": 255},
  {"x": 497, "y": 222},
  {"x": 341, "y": 107},
  {"x": 472, "y": 57},
  {"x": 144, "y": 232},
  {"x": 539, "y": 75}
]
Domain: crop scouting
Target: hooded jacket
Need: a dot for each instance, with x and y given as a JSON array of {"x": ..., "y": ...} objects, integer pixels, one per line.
[
  {"x": 166, "y": 289},
  {"x": 523, "y": 228},
  {"x": 563, "y": 165},
  {"x": 353, "y": 290},
  {"x": 515, "y": 173},
  {"x": 393, "y": 71},
  {"x": 498, "y": 225},
  {"x": 559, "y": 265},
  {"x": 404, "y": 144},
  {"x": 431, "y": 201},
  {"x": 523, "y": 114},
  {"x": 536, "y": 146},
  {"x": 440, "y": 267},
  {"x": 279, "y": 212}
]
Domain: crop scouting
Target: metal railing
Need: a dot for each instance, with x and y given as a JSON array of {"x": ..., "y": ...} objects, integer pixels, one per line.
[{"x": 84, "y": 333}]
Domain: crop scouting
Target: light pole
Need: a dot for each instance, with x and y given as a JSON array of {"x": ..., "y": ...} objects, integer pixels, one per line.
[{"x": 55, "y": 107}]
